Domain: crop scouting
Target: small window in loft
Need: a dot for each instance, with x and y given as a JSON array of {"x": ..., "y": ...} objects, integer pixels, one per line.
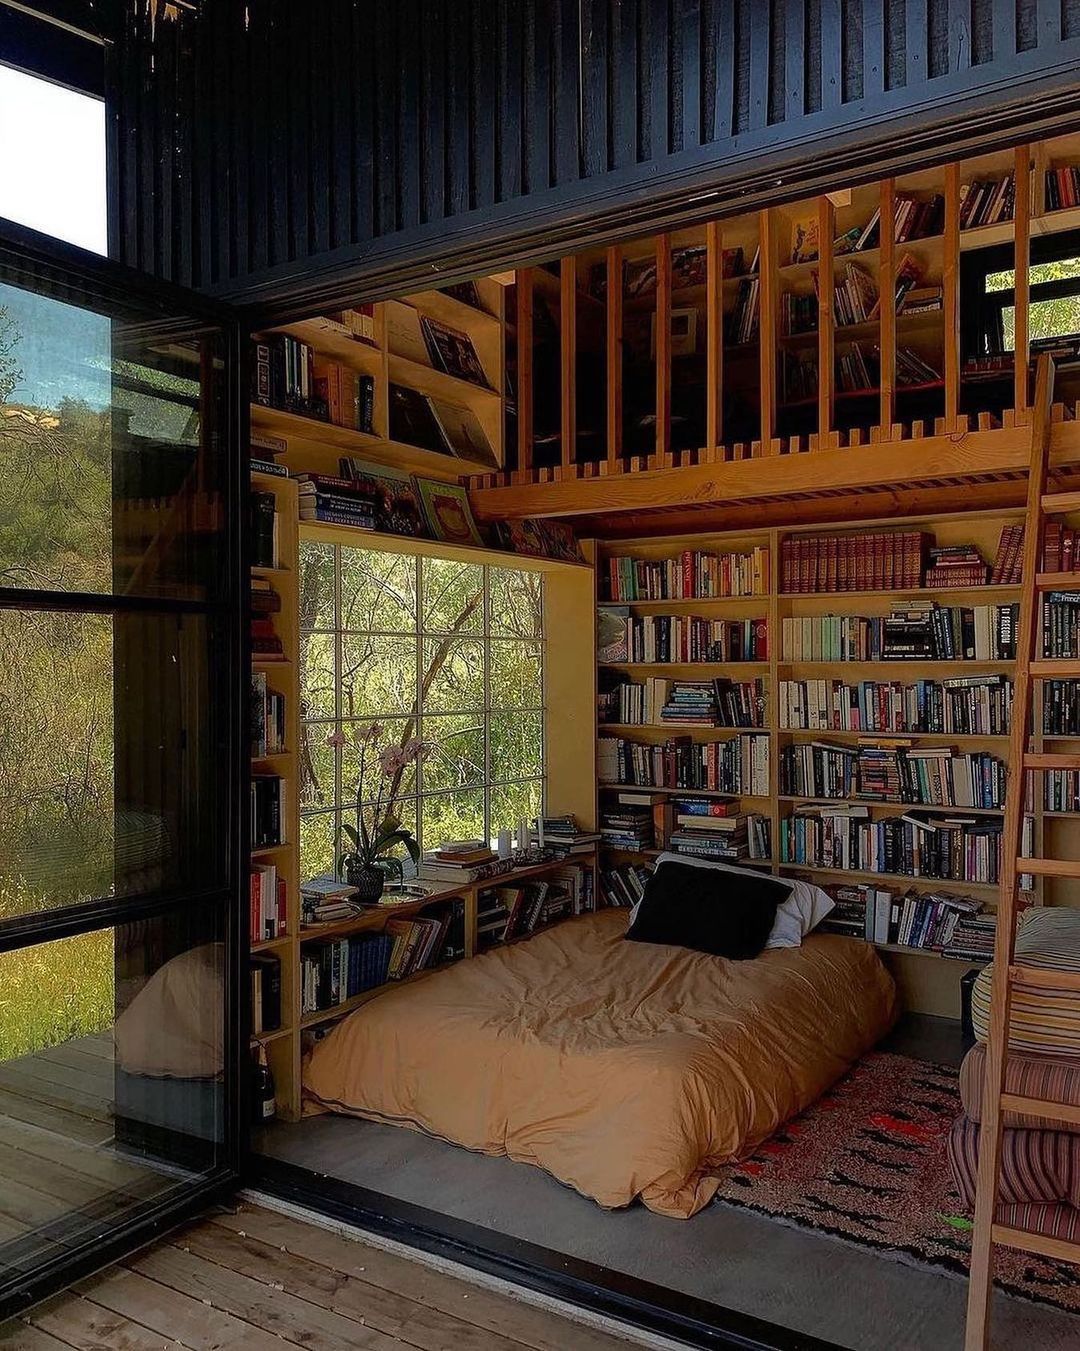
[
  {"x": 1053, "y": 314},
  {"x": 53, "y": 176}
]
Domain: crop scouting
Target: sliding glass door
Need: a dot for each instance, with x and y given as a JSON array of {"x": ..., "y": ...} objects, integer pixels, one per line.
[{"x": 121, "y": 768}]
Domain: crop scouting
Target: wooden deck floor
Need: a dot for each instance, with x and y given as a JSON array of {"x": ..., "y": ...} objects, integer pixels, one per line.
[{"x": 256, "y": 1279}]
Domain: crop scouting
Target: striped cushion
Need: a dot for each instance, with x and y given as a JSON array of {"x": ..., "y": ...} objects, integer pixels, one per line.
[
  {"x": 1032, "y": 1077},
  {"x": 1039, "y": 1169},
  {"x": 1044, "y": 1022}
]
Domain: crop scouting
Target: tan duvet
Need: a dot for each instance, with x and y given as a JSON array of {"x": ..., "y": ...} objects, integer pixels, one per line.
[{"x": 624, "y": 1069}]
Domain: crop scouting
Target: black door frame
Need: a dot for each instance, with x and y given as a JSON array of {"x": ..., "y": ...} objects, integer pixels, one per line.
[{"x": 96, "y": 279}]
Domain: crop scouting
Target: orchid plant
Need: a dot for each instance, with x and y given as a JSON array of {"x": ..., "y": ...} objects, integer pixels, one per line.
[{"x": 378, "y": 828}]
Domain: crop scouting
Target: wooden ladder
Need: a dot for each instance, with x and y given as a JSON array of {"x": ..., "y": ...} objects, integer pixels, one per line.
[{"x": 1030, "y": 666}]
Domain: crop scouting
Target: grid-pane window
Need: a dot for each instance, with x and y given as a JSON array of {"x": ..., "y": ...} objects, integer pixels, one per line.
[{"x": 450, "y": 652}]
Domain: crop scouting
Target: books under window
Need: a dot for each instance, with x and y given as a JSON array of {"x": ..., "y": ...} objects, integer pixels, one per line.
[
  {"x": 930, "y": 776},
  {"x": 739, "y": 765},
  {"x": 622, "y": 888},
  {"x": 690, "y": 638},
  {"x": 264, "y": 530},
  {"x": 1061, "y": 708},
  {"x": 332, "y": 972},
  {"x": 627, "y": 827},
  {"x": 1061, "y": 624},
  {"x": 924, "y": 632},
  {"x": 339, "y": 501},
  {"x": 692, "y": 575},
  {"x": 265, "y": 811},
  {"x": 562, "y": 836},
  {"x": 267, "y": 718},
  {"x": 987, "y": 201},
  {"x": 959, "y": 706},
  {"x": 267, "y": 908},
  {"x": 877, "y": 560},
  {"x": 325, "y": 899},
  {"x": 949, "y": 847},
  {"x": 265, "y": 975},
  {"x": 732, "y": 837}
]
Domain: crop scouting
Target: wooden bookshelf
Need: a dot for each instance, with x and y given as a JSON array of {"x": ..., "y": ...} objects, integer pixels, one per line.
[{"x": 929, "y": 981}]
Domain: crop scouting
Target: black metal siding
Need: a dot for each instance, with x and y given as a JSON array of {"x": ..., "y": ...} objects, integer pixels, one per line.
[{"x": 266, "y": 138}]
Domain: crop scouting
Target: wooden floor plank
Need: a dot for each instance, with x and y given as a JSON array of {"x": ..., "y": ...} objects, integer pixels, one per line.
[
  {"x": 102, "y": 1162},
  {"x": 169, "y": 1313},
  {"x": 67, "y": 1125},
  {"x": 89, "y": 1327},
  {"x": 258, "y": 1303},
  {"x": 23, "y": 1084},
  {"x": 19, "y": 1336},
  {"x": 416, "y": 1324},
  {"x": 523, "y": 1323}
]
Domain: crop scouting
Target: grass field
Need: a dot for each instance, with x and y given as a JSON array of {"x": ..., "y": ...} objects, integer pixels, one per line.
[{"x": 52, "y": 992}]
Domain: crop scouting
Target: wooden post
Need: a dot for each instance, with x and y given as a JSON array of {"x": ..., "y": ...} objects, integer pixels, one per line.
[
  {"x": 887, "y": 290},
  {"x": 1021, "y": 267},
  {"x": 663, "y": 352},
  {"x": 950, "y": 280},
  {"x": 767, "y": 329},
  {"x": 525, "y": 373},
  {"x": 714, "y": 340},
  {"x": 614, "y": 357},
  {"x": 826, "y": 375},
  {"x": 568, "y": 363}
]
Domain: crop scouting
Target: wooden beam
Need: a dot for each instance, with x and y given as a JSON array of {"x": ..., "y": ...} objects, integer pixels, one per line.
[
  {"x": 525, "y": 369},
  {"x": 887, "y": 288},
  {"x": 950, "y": 279},
  {"x": 663, "y": 351},
  {"x": 614, "y": 349},
  {"x": 568, "y": 361},
  {"x": 1021, "y": 265},
  {"x": 1001, "y": 450},
  {"x": 826, "y": 375},
  {"x": 768, "y": 296},
  {"x": 714, "y": 339}
]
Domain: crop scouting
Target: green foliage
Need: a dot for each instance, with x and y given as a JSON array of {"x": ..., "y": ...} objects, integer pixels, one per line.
[{"x": 54, "y": 992}]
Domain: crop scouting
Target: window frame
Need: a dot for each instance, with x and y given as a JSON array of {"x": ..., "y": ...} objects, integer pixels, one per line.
[{"x": 987, "y": 308}]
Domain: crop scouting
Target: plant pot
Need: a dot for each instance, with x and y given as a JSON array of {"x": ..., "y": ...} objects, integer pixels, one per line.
[{"x": 368, "y": 881}]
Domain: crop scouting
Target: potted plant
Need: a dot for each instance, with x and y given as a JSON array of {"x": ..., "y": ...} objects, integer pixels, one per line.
[{"x": 378, "y": 829}]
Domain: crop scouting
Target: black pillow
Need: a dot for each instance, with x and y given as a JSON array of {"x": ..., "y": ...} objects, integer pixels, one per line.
[{"x": 727, "y": 914}]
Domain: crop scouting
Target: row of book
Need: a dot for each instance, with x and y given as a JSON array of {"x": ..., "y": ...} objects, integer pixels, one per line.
[
  {"x": 717, "y": 703},
  {"x": 798, "y": 313},
  {"x": 1059, "y": 551},
  {"x": 948, "y": 848},
  {"x": 1061, "y": 790},
  {"x": 267, "y": 910},
  {"x": 918, "y": 219},
  {"x": 926, "y": 632},
  {"x": 961, "y": 706},
  {"x": 869, "y": 561},
  {"x": 1061, "y": 624},
  {"x": 267, "y": 717},
  {"x": 857, "y": 368},
  {"x": 798, "y": 378},
  {"x": 987, "y": 201},
  {"x": 339, "y": 501},
  {"x": 1010, "y": 556},
  {"x": 928, "y": 776},
  {"x": 728, "y": 838},
  {"x": 936, "y": 921},
  {"x": 855, "y": 295},
  {"x": 739, "y": 765},
  {"x": 263, "y": 532},
  {"x": 623, "y": 887},
  {"x": 264, "y": 974},
  {"x": 513, "y": 911},
  {"x": 1062, "y": 187},
  {"x": 1061, "y": 708},
  {"x": 627, "y": 827},
  {"x": 687, "y": 638},
  {"x": 743, "y": 319},
  {"x": 265, "y": 806},
  {"x": 562, "y": 837},
  {"x": 955, "y": 565},
  {"x": 691, "y": 575}
]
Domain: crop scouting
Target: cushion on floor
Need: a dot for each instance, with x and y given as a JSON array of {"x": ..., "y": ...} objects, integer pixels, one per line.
[
  {"x": 1043, "y": 1022},
  {"x": 1032, "y": 1076}
]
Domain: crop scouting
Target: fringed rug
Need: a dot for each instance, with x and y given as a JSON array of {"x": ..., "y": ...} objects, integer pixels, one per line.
[{"x": 868, "y": 1163}]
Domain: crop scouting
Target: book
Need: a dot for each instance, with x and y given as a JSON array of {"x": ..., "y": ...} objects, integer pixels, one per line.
[
  {"x": 397, "y": 506},
  {"x": 691, "y": 575},
  {"x": 462, "y": 433},
  {"x": 878, "y": 560},
  {"x": 451, "y": 350},
  {"x": 961, "y": 706}
]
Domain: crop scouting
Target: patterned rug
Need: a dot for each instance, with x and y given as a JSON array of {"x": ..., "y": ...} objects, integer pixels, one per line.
[{"x": 868, "y": 1163}]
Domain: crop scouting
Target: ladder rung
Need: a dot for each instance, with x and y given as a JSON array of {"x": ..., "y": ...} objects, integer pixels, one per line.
[
  {"x": 1044, "y": 978},
  {"x": 1041, "y": 1107},
  {"x": 1042, "y": 1244},
  {"x": 1057, "y": 581},
  {"x": 1060, "y": 668},
  {"x": 1061, "y": 502},
  {"x": 1049, "y": 867},
  {"x": 1039, "y": 760}
]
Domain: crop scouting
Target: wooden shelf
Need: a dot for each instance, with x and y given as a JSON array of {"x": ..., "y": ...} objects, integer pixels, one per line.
[
  {"x": 359, "y": 1000},
  {"x": 749, "y": 666},
  {"x": 937, "y": 883},
  {"x": 991, "y": 594},
  {"x": 281, "y": 423},
  {"x": 873, "y": 803},
  {"x": 907, "y": 666},
  {"x": 404, "y": 371},
  {"x": 761, "y": 598},
  {"x": 822, "y": 733}
]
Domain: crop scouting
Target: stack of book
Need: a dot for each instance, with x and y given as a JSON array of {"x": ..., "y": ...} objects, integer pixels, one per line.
[
  {"x": 852, "y": 904},
  {"x": 917, "y": 219},
  {"x": 562, "y": 837},
  {"x": 959, "y": 706},
  {"x": 265, "y": 811},
  {"x": 267, "y": 722},
  {"x": 691, "y": 638},
  {"x": 1061, "y": 708},
  {"x": 266, "y": 644},
  {"x": 742, "y": 321},
  {"x": 730, "y": 837},
  {"x": 869, "y": 561},
  {"x": 263, "y": 534},
  {"x": 740, "y": 703},
  {"x": 460, "y": 862},
  {"x": 1062, "y": 187},
  {"x": 623, "y": 887},
  {"x": 1009, "y": 557},
  {"x": 956, "y": 565},
  {"x": 263, "y": 449},
  {"x": 1059, "y": 548},
  {"x": 972, "y": 940},
  {"x": 691, "y": 703},
  {"x": 332, "y": 972},
  {"x": 626, "y": 827},
  {"x": 921, "y": 300},
  {"x": 912, "y": 369},
  {"x": 324, "y": 899},
  {"x": 855, "y": 295},
  {"x": 357, "y": 323},
  {"x": 691, "y": 575},
  {"x": 338, "y": 501},
  {"x": 492, "y": 913},
  {"x": 1061, "y": 624},
  {"x": 738, "y": 766},
  {"x": 265, "y": 971},
  {"x": 267, "y": 908},
  {"x": 938, "y": 921},
  {"x": 987, "y": 201}
]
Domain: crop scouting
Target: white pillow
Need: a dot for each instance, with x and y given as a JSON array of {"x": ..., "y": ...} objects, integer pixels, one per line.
[{"x": 804, "y": 909}]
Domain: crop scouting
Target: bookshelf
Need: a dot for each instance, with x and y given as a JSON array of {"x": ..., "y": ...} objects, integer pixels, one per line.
[{"x": 929, "y": 981}]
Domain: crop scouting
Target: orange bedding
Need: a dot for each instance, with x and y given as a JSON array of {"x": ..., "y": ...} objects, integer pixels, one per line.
[{"x": 624, "y": 1069}]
